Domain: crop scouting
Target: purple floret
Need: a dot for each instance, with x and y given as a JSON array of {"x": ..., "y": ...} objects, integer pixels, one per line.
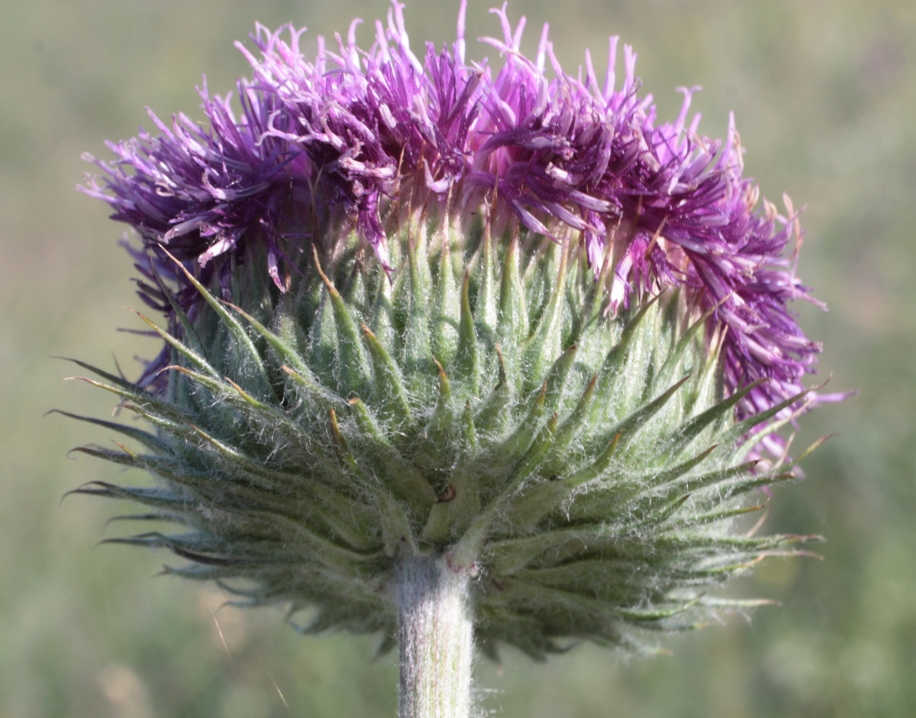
[{"x": 355, "y": 133}]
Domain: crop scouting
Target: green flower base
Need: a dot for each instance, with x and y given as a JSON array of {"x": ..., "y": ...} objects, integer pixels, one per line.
[{"x": 479, "y": 408}]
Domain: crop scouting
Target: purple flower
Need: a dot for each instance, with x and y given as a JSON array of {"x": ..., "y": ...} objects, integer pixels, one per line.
[{"x": 355, "y": 138}]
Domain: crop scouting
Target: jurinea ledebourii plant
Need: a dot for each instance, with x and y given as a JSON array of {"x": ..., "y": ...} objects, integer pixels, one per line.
[{"x": 456, "y": 354}]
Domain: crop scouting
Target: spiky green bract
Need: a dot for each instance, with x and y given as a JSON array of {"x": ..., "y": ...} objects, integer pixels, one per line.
[{"x": 480, "y": 405}]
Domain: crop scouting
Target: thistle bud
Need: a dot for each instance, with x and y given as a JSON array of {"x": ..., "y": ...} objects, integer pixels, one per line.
[{"x": 432, "y": 328}]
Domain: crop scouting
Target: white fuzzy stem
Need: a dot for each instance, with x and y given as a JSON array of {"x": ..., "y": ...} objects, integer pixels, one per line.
[{"x": 435, "y": 636}]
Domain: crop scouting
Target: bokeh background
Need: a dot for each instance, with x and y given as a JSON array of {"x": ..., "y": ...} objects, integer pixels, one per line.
[{"x": 825, "y": 97}]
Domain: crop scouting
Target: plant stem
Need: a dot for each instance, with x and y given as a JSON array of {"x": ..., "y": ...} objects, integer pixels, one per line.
[{"x": 435, "y": 636}]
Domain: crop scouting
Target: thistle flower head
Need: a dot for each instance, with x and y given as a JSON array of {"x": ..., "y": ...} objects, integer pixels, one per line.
[{"x": 502, "y": 314}]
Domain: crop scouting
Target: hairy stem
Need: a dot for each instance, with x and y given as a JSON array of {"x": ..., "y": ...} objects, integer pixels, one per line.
[{"x": 435, "y": 636}]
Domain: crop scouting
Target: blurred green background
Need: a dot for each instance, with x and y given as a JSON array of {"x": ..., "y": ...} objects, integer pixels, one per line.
[{"x": 825, "y": 97}]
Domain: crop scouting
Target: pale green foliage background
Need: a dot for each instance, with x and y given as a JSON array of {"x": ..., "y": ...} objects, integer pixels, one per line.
[{"x": 824, "y": 93}]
